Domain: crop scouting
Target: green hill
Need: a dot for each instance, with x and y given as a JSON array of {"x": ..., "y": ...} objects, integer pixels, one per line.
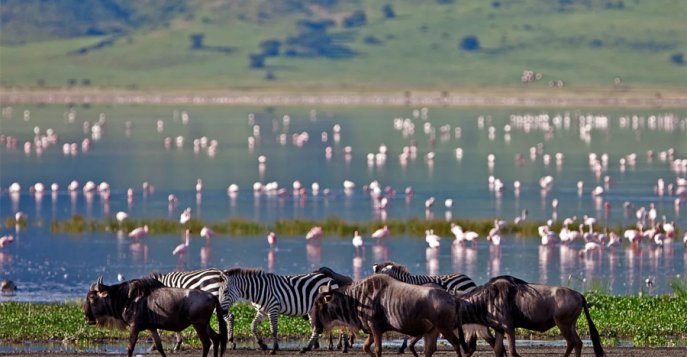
[{"x": 312, "y": 45}]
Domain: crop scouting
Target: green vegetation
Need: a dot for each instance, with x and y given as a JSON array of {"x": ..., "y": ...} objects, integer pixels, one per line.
[
  {"x": 341, "y": 46},
  {"x": 644, "y": 320},
  {"x": 332, "y": 226}
]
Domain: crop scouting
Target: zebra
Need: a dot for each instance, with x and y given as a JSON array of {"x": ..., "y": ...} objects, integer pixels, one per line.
[
  {"x": 210, "y": 280},
  {"x": 457, "y": 284},
  {"x": 272, "y": 294}
]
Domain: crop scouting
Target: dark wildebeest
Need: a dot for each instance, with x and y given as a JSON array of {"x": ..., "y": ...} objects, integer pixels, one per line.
[
  {"x": 505, "y": 303},
  {"x": 456, "y": 284},
  {"x": 146, "y": 304},
  {"x": 380, "y": 303}
]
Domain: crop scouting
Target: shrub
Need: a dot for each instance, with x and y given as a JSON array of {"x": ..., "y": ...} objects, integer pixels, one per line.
[{"x": 470, "y": 43}]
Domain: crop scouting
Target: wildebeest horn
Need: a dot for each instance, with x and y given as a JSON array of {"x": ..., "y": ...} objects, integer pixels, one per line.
[
  {"x": 326, "y": 289},
  {"x": 375, "y": 268},
  {"x": 98, "y": 284}
]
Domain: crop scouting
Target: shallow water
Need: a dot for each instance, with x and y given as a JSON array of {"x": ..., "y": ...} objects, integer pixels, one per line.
[{"x": 129, "y": 150}]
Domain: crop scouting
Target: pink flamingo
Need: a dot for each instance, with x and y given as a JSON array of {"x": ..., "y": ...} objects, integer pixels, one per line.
[
  {"x": 272, "y": 239},
  {"x": 432, "y": 239},
  {"x": 183, "y": 247},
  {"x": 185, "y": 216},
  {"x": 357, "y": 242},
  {"x": 381, "y": 233},
  {"x": 121, "y": 216},
  {"x": 314, "y": 233},
  {"x": 6, "y": 240},
  {"x": 139, "y": 232},
  {"x": 207, "y": 232}
]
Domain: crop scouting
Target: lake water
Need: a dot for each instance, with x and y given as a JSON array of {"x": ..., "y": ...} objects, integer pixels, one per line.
[{"x": 638, "y": 156}]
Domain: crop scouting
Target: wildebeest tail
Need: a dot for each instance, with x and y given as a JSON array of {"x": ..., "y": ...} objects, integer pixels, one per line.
[
  {"x": 223, "y": 336},
  {"x": 593, "y": 332}
]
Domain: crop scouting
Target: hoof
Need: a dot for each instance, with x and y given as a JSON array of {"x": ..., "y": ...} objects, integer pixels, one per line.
[
  {"x": 304, "y": 350},
  {"x": 263, "y": 346},
  {"x": 273, "y": 352}
]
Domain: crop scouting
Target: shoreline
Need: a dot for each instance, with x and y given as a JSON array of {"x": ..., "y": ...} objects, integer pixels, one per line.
[{"x": 504, "y": 97}]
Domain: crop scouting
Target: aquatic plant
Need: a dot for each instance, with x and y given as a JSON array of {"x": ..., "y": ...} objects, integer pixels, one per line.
[
  {"x": 645, "y": 320},
  {"x": 332, "y": 226}
]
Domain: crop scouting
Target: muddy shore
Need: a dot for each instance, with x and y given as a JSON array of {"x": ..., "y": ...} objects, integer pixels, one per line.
[{"x": 480, "y": 97}]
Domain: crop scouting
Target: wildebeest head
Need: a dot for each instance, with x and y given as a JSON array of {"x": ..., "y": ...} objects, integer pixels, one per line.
[
  {"x": 100, "y": 307},
  {"x": 330, "y": 306}
]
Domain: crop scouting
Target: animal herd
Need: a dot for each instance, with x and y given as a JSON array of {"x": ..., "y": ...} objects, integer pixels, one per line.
[{"x": 391, "y": 299}]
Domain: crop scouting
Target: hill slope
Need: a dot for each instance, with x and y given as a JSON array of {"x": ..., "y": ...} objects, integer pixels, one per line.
[{"x": 310, "y": 45}]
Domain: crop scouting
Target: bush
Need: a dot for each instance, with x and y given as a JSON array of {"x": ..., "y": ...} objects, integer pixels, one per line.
[
  {"x": 388, "y": 11},
  {"x": 356, "y": 19},
  {"x": 470, "y": 43},
  {"x": 678, "y": 58}
]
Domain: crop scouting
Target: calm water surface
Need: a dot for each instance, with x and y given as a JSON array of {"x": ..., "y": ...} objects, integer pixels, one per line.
[{"x": 635, "y": 151}]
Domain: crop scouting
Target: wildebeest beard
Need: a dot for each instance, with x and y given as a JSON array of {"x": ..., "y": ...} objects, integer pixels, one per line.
[{"x": 110, "y": 323}]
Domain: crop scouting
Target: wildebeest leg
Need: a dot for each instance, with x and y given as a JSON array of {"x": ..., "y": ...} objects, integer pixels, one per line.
[
  {"x": 404, "y": 344},
  {"x": 156, "y": 340},
  {"x": 377, "y": 335},
  {"x": 274, "y": 315},
  {"x": 254, "y": 329},
  {"x": 431, "y": 342},
  {"x": 201, "y": 330},
  {"x": 571, "y": 338},
  {"x": 510, "y": 333},
  {"x": 456, "y": 341},
  {"x": 215, "y": 338},
  {"x": 498, "y": 344},
  {"x": 411, "y": 345},
  {"x": 367, "y": 344},
  {"x": 133, "y": 337}
]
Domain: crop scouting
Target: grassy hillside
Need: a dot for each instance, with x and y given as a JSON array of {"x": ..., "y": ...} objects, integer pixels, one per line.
[{"x": 343, "y": 45}]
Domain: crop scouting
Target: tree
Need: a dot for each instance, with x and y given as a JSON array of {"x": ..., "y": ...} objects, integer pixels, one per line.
[
  {"x": 470, "y": 43},
  {"x": 270, "y": 47},
  {"x": 356, "y": 19},
  {"x": 388, "y": 11},
  {"x": 678, "y": 58},
  {"x": 197, "y": 40},
  {"x": 257, "y": 60}
]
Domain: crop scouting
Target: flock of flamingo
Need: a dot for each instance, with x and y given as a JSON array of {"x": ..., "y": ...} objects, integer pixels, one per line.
[{"x": 649, "y": 227}]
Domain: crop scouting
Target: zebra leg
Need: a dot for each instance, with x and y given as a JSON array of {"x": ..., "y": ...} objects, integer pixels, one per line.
[
  {"x": 180, "y": 338},
  {"x": 313, "y": 337},
  {"x": 274, "y": 315},
  {"x": 254, "y": 329},
  {"x": 229, "y": 318}
]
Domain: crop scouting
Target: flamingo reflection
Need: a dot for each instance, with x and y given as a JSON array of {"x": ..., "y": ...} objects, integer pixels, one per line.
[
  {"x": 432, "y": 257},
  {"x": 313, "y": 252},
  {"x": 357, "y": 267}
]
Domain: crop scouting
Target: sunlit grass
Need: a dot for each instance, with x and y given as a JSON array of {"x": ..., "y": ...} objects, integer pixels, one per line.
[{"x": 642, "y": 319}]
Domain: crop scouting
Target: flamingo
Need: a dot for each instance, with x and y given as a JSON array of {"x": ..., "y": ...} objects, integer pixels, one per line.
[
  {"x": 272, "y": 239},
  {"x": 185, "y": 216},
  {"x": 432, "y": 239},
  {"x": 183, "y": 247},
  {"x": 613, "y": 240},
  {"x": 207, "y": 233},
  {"x": 684, "y": 239},
  {"x": 470, "y": 236},
  {"x": 121, "y": 216},
  {"x": 381, "y": 233},
  {"x": 314, "y": 233},
  {"x": 199, "y": 185},
  {"x": 139, "y": 232},
  {"x": 458, "y": 233},
  {"x": 633, "y": 235},
  {"x": 6, "y": 240},
  {"x": 590, "y": 247},
  {"x": 357, "y": 242}
]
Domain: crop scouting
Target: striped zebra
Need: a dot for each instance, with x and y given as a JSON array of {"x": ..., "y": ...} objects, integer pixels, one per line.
[
  {"x": 456, "y": 284},
  {"x": 273, "y": 294},
  {"x": 210, "y": 280}
]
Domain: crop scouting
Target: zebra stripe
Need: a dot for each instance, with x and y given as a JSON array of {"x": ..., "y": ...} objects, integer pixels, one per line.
[
  {"x": 273, "y": 294},
  {"x": 451, "y": 282}
]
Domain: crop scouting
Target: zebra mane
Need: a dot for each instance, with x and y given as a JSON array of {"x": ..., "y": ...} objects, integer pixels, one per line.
[
  {"x": 236, "y": 271},
  {"x": 395, "y": 266}
]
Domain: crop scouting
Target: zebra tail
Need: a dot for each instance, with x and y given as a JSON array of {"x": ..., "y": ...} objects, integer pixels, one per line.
[
  {"x": 223, "y": 337},
  {"x": 593, "y": 332}
]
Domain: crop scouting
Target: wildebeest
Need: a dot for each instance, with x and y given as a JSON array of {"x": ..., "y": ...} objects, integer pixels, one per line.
[
  {"x": 380, "y": 303},
  {"x": 505, "y": 303},
  {"x": 456, "y": 284},
  {"x": 146, "y": 304}
]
